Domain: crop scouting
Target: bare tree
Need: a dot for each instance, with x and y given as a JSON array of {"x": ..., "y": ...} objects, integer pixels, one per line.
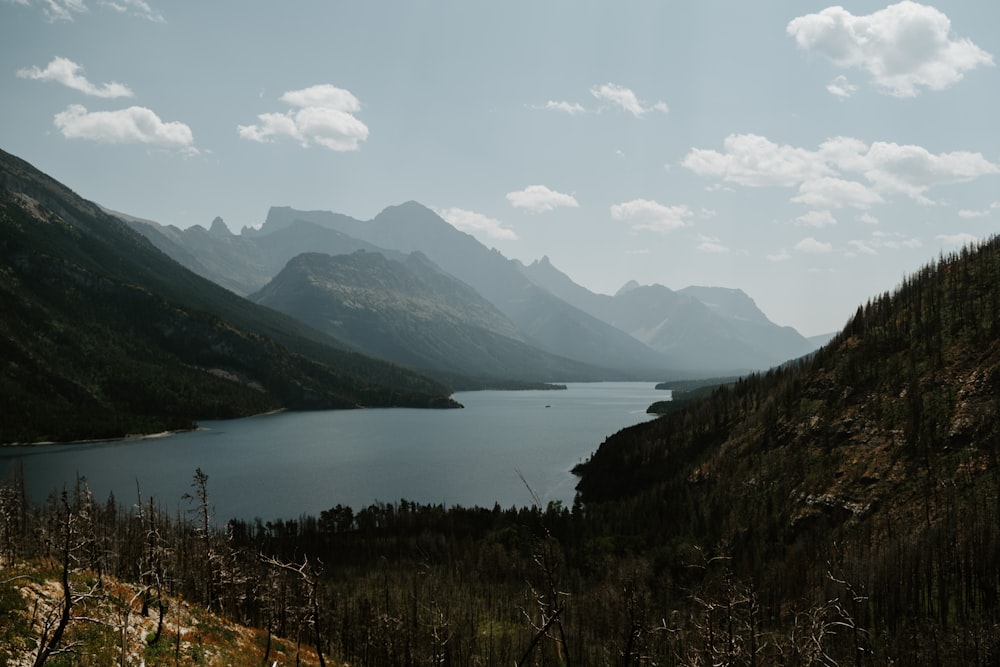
[{"x": 308, "y": 574}]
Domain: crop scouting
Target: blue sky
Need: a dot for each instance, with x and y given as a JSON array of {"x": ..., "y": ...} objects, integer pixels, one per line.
[{"x": 812, "y": 155}]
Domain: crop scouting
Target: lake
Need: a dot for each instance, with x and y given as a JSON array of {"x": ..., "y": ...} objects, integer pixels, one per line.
[{"x": 286, "y": 464}]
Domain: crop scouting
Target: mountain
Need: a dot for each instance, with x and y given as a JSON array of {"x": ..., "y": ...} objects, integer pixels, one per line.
[
  {"x": 411, "y": 313},
  {"x": 104, "y": 335},
  {"x": 547, "y": 321},
  {"x": 866, "y": 474},
  {"x": 700, "y": 329},
  {"x": 246, "y": 262}
]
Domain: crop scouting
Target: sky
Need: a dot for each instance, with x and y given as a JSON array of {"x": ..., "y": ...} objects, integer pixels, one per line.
[{"x": 812, "y": 155}]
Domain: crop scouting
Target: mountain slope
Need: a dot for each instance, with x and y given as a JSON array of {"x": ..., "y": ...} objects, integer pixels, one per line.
[
  {"x": 548, "y": 322},
  {"x": 701, "y": 329},
  {"x": 873, "y": 465},
  {"x": 411, "y": 313},
  {"x": 104, "y": 335}
]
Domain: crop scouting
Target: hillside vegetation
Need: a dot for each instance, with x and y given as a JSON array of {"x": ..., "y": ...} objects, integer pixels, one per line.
[
  {"x": 842, "y": 510},
  {"x": 874, "y": 462}
]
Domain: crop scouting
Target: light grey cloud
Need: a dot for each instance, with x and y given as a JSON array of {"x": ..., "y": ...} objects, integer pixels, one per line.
[
  {"x": 126, "y": 126},
  {"x": 68, "y": 10},
  {"x": 139, "y": 8},
  {"x": 841, "y": 87},
  {"x": 894, "y": 240},
  {"x": 645, "y": 214},
  {"x": 960, "y": 239},
  {"x": 780, "y": 256},
  {"x": 905, "y": 47},
  {"x": 859, "y": 247},
  {"x": 625, "y": 98},
  {"x": 812, "y": 246},
  {"x": 324, "y": 116},
  {"x": 472, "y": 222},
  {"x": 539, "y": 198},
  {"x": 817, "y": 219},
  {"x": 712, "y": 245}
]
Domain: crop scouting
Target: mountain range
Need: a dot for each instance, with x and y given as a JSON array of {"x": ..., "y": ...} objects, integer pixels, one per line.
[
  {"x": 104, "y": 335},
  {"x": 413, "y": 313},
  {"x": 649, "y": 332}
]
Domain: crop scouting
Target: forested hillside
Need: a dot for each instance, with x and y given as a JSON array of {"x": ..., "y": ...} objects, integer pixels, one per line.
[
  {"x": 842, "y": 510},
  {"x": 875, "y": 462}
]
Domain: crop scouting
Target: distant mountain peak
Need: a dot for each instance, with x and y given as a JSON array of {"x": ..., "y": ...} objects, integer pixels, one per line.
[
  {"x": 219, "y": 227},
  {"x": 628, "y": 287}
]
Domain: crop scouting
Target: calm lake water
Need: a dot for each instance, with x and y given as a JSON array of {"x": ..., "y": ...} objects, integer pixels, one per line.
[{"x": 286, "y": 464}]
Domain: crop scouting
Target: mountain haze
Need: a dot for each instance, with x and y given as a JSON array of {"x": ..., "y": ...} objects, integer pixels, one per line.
[
  {"x": 104, "y": 335},
  {"x": 700, "y": 329},
  {"x": 548, "y": 322},
  {"x": 411, "y": 313}
]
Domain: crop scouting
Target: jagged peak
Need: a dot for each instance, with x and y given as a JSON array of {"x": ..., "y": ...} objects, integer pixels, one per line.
[{"x": 219, "y": 227}]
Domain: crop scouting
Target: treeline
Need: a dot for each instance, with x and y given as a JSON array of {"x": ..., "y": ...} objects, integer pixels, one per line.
[{"x": 413, "y": 584}]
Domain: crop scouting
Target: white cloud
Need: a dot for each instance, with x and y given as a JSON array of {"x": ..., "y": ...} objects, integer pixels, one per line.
[
  {"x": 912, "y": 170},
  {"x": 817, "y": 219},
  {"x": 904, "y": 47},
  {"x": 711, "y": 244},
  {"x": 961, "y": 239},
  {"x": 755, "y": 161},
  {"x": 829, "y": 192},
  {"x": 780, "y": 256},
  {"x": 68, "y": 73},
  {"x": 572, "y": 108},
  {"x": 868, "y": 219},
  {"x": 969, "y": 215},
  {"x": 325, "y": 117},
  {"x": 890, "y": 168},
  {"x": 645, "y": 214},
  {"x": 126, "y": 126},
  {"x": 626, "y": 99},
  {"x": 811, "y": 245},
  {"x": 862, "y": 248},
  {"x": 841, "y": 87},
  {"x": 472, "y": 222},
  {"x": 538, "y": 198}
]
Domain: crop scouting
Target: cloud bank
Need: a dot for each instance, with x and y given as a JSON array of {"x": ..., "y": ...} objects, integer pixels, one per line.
[{"x": 888, "y": 168}]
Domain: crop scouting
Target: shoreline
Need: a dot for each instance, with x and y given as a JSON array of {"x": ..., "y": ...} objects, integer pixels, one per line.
[{"x": 129, "y": 436}]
